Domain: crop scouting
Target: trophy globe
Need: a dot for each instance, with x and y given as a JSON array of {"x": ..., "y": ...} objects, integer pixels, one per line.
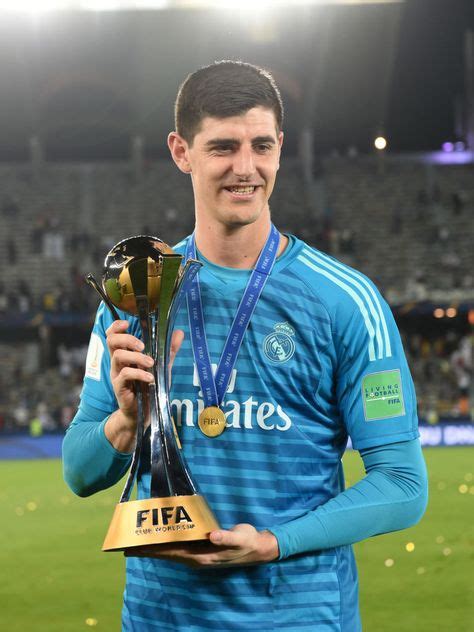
[{"x": 116, "y": 281}]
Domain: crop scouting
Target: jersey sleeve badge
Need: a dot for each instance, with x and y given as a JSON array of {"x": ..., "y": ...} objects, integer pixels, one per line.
[
  {"x": 94, "y": 357},
  {"x": 382, "y": 395}
]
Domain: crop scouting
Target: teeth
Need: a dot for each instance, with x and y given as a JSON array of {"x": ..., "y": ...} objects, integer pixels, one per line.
[{"x": 242, "y": 190}]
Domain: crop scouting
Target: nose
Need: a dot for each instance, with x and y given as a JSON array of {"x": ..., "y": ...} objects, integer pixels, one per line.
[{"x": 244, "y": 165}]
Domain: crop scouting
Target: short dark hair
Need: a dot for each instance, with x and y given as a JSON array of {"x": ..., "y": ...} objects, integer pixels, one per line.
[{"x": 224, "y": 88}]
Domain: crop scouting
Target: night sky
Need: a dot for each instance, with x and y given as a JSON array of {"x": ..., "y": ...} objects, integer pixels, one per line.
[{"x": 428, "y": 72}]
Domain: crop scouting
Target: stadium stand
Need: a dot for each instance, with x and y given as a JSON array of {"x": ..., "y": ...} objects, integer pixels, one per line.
[
  {"x": 411, "y": 225},
  {"x": 406, "y": 224}
]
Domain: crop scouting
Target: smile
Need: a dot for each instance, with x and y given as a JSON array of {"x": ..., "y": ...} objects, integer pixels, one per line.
[{"x": 242, "y": 190}]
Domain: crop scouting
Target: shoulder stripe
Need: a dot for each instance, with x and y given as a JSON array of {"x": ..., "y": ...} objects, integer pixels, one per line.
[
  {"x": 353, "y": 295},
  {"x": 181, "y": 243},
  {"x": 345, "y": 273},
  {"x": 363, "y": 280}
]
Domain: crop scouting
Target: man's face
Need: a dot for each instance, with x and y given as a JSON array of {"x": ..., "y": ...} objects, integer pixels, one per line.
[{"x": 233, "y": 163}]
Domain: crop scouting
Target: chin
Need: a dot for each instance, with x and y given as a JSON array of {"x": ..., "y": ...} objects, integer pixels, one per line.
[{"x": 241, "y": 217}]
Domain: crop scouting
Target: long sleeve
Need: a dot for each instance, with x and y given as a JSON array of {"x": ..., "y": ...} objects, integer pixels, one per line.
[
  {"x": 392, "y": 496},
  {"x": 90, "y": 462}
]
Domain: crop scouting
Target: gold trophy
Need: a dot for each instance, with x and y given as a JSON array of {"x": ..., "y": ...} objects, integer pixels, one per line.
[{"x": 145, "y": 278}]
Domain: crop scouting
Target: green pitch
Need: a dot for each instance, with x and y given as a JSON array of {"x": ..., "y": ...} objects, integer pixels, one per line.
[{"x": 54, "y": 577}]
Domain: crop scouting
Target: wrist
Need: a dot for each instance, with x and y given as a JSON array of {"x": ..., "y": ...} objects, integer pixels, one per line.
[
  {"x": 120, "y": 431},
  {"x": 269, "y": 546}
]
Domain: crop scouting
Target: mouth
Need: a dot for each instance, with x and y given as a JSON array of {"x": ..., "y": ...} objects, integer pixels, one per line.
[{"x": 242, "y": 191}]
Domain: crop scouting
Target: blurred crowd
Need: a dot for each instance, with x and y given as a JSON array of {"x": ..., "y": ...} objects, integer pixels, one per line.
[
  {"x": 32, "y": 398},
  {"x": 407, "y": 225},
  {"x": 441, "y": 367},
  {"x": 36, "y": 399}
]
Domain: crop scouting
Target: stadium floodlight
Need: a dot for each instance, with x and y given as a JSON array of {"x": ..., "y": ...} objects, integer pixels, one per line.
[
  {"x": 245, "y": 4},
  {"x": 37, "y": 6},
  {"x": 259, "y": 4},
  {"x": 101, "y": 5},
  {"x": 448, "y": 147},
  {"x": 31, "y": 6},
  {"x": 380, "y": 143}
]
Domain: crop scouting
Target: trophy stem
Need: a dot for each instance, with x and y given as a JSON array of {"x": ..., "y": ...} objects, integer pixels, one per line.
[
  {"x": 140, "y": 394},
  {"x": 176, "y": 472},
  {"x": 139, "y": 278}
]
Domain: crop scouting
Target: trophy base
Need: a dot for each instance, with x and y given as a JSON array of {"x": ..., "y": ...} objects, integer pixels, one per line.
[{"x": 150, "y": 521}]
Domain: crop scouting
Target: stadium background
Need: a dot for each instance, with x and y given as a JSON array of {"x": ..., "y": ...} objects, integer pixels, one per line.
[{"x": 86, "y": 99}]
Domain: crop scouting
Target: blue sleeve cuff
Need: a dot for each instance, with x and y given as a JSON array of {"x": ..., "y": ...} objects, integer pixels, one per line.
[
  {"x": 90, "y": 462},
  {"x": 105, "y": 443},
  {"x": 291, "y": 536}
]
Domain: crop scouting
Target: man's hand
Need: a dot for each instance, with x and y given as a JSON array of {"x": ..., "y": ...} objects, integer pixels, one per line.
[
  {"x": 240, "y": 546},
  {"x": 128, "y": 365}
]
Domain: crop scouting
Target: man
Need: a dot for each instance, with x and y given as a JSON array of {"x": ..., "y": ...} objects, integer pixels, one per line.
[{"x": 320, "y": 360}]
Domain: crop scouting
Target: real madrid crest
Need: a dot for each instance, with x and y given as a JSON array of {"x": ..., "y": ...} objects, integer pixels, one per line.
[{"x": 279, "y": 346}]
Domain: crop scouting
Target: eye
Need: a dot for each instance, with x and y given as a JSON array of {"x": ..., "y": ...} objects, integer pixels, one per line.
[
  {"x": 222, "y": 149},
  {"x": 263, "y": 148}
]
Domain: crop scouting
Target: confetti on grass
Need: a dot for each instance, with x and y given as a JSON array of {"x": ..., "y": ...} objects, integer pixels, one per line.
[{"x": 90, "y": 621}]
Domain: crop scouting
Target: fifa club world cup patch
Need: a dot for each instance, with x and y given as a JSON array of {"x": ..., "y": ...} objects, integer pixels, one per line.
[
  {"x": 94, "y": 357},
  {"x": 382, "y": 395}
]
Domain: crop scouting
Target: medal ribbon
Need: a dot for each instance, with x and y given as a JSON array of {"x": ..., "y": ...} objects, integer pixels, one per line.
[{"x": 214, "y": 388}]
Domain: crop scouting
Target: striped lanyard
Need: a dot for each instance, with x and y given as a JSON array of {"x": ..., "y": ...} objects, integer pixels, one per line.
[{"x": 214, "y": 388}]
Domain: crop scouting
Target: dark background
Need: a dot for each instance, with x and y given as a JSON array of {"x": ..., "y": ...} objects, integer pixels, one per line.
[{"x": 85, "y": 83}]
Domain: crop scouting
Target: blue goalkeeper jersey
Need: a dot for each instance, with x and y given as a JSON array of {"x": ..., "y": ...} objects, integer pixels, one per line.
[{"x": 321, "y": 361}]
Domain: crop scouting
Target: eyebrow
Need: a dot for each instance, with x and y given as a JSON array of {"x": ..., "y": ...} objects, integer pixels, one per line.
[{"x": 233, "y": 141}]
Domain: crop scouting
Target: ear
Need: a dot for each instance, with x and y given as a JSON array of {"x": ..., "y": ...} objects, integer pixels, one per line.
[
  {"x": 179, "y": 151},
  {"x": 280, "y": 144}
]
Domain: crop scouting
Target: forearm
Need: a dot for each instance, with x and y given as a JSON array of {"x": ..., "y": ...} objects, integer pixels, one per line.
[
  {"x": 392, "y": 496},
  {"x": 90, "y": 461}
]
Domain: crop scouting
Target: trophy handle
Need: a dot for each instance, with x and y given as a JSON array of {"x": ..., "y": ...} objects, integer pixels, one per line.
[
  {"x": 132, "y": 473},
  {"x": 92, "y": 282},
  {"x": 141, "y": 401}
]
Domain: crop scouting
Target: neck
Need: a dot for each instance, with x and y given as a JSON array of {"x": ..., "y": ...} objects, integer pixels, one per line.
[{"x": 234, "y": 246}]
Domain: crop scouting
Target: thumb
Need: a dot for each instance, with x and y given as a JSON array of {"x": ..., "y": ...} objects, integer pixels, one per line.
[{"x": 238, "y": 536}]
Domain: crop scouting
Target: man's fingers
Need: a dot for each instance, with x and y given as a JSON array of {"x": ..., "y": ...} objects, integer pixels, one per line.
[
  {"x": 123, "y": 341},
  {"x": 225, "y": 548},
  {"x": 130, "y": 374},
  {"x": 117, "y": 326},
  {"x": 174, "y": 549},
  {"x": 228, "y": 538},
  {"x": 118, "y": 339},
  {"x": 122, "y": 358}
]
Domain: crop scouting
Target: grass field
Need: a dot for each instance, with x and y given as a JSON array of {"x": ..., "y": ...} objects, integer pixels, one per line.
[{"x": 54, "y": 578}]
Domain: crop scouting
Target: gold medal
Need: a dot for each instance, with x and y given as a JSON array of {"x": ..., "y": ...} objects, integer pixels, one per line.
[{"x": 212, "y": 421}]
